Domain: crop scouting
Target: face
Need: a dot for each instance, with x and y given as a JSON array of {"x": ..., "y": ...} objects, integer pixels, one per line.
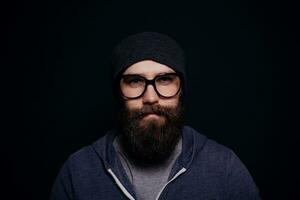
[
  {"x": 150, "y": 124},
  {"x": 150, "y": 69}
]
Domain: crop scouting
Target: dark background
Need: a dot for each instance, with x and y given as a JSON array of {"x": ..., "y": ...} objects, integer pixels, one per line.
[{"x": 57, "y": 93}]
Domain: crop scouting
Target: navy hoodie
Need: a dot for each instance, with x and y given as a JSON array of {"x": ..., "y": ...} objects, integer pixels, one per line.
[{"x": 205, "y": 170}]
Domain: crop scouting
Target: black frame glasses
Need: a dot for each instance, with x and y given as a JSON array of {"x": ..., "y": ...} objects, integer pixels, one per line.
[{"x": 151, "y": 82}]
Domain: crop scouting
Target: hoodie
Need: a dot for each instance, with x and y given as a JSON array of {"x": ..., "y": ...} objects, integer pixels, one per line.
[{"x": 205, "y": 170}]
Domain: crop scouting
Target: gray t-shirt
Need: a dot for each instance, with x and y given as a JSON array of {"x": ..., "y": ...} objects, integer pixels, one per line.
[{"x": 147, "y": 181}]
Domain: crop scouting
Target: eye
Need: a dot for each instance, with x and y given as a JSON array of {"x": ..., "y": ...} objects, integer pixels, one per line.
[
  {"x": 165, "y": 79},
  {"x": 133, "y": 81}
]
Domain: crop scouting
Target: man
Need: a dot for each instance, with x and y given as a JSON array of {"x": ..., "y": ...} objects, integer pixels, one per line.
[{"x": 151, "y": 154}]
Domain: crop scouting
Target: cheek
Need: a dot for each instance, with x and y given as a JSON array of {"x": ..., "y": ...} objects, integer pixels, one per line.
[
  {"x": 169, "y": 102},
  {"x": 173, "y": 102},
  {"x": 134, "y": 104}
]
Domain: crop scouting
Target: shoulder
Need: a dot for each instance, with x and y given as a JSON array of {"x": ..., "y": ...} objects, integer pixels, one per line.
[
  {"x": 210, "y": 153},
  {"x": 88, "y": 156},
  {"x": 204, "y": 144},
  {"x": 224, "y": 165}
]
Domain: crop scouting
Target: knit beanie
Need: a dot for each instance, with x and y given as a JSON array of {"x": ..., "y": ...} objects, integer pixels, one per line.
[{"x": 148, "y": 46}]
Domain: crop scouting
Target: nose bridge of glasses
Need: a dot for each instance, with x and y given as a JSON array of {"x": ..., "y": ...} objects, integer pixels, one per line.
[
  {"x": 150, "y": 83},
  {"x": 150, "y": 89}
]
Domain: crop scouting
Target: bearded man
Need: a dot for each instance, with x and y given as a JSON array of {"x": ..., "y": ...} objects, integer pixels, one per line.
[{"x": 151, "y": 154}]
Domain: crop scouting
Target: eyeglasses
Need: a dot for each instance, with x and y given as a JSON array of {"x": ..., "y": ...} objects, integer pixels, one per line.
[{"x": 166, "y": 85}]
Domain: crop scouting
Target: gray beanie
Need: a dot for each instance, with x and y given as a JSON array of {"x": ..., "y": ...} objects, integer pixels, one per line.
[{"x": 148, "y": 46}]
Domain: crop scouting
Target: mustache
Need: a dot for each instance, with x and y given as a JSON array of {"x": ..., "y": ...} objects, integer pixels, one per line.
[{"x": 151, "y": 109}]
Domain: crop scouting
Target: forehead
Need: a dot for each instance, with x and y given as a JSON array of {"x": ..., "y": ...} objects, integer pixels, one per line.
[{"x": 148, "y": 69}]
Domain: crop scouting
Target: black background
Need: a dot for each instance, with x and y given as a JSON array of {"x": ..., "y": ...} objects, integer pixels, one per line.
[{"x": 58, "y": 96}]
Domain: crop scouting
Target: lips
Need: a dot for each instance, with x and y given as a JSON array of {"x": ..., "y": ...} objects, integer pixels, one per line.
[
  {"x": 151, "y": 115},
  {"x": 150, "y": 111}
]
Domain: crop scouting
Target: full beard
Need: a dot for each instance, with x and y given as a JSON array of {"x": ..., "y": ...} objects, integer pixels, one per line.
[{"x": 149, "y": 141}]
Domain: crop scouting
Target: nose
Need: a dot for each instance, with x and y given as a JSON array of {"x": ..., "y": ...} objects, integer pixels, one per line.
[{"x": 150, "y": 96}]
